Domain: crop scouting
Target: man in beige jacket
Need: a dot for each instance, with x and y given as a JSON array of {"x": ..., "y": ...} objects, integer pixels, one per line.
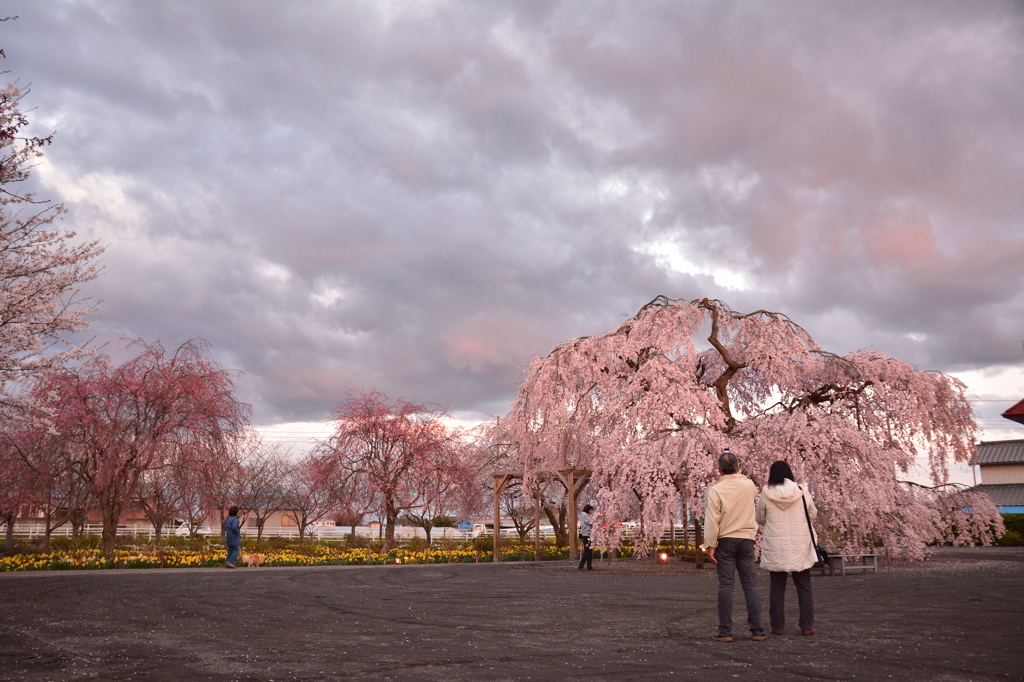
[{"x": 729, "y": 531}]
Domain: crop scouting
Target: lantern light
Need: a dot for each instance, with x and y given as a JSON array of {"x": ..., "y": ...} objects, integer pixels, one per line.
[{"x": 662, "y": 558}]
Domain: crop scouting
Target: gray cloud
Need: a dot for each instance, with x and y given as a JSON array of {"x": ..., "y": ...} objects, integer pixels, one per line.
[{"x": 419, "y": 197}]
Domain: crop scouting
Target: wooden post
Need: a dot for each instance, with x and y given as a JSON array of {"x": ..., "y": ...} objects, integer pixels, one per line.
[
  {"x": 565, "y": 476},
  {"x": 574, "y": 550},
  {"x": 672, "y": 533},
  {"x": 536, "y": 525},
  {"x": 496, "y": 537},
  {"x": 574, "y": 481}
]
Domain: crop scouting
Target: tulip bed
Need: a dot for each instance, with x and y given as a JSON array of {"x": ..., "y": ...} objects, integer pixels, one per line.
[{"x": 305, "y": 555}]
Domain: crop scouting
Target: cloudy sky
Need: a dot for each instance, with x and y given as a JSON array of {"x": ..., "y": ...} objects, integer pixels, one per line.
[{"x": 418, "y": 197}]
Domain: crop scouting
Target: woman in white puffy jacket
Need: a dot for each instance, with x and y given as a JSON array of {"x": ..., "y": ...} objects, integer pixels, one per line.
[{"x": 788, "y": 546}]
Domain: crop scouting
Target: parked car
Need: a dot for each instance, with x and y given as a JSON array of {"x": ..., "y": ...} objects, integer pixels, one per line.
[
  {"x": 331, "y": 532},
  {"x": 183, "y": 531}
]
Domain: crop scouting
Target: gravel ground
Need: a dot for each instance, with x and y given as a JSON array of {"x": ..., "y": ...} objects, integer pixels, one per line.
[{"x": 957, "y": 616}]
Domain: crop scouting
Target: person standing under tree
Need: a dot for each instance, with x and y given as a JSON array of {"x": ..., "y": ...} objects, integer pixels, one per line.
[
  {"x": 786, "y": 511},
  {"x": 730, "y": 529},
  {"x": 232, "y": 537},
  {"x": 586, "y": 528}
]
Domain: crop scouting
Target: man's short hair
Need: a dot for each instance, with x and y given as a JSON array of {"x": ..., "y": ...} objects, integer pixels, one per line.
[{"x": 728, "y": 463}]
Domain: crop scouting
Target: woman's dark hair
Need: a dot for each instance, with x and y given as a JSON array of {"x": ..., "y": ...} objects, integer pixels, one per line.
[
  {"x": 587, "y": 509},
  {"x": 728, "y": 463},
  {"x": 779, "y": 472},
  {"x": 233, "y": 511}
]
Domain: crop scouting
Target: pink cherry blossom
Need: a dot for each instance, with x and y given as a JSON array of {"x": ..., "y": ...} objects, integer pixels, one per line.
[
  {"x": 117, "y": 422},
  {"x": 648, "y": 408}
]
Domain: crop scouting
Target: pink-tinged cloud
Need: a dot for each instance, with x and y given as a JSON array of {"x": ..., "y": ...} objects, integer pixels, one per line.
[
  {"x": 486, "y": 344},
  {"x": 899, "y": 241}
]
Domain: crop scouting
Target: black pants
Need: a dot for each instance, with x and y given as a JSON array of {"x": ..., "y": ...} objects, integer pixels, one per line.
[
  {"x": 777, "y": 599},
  {"x": 588, "y": 554},
  {"x": 736, "y": 555}
]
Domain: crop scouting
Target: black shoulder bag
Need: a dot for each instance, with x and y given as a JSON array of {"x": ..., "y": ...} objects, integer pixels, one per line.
[{"x": 823, "y": 560}]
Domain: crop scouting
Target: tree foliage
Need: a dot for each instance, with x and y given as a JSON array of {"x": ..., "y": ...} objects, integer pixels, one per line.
[
  {"x": 41, "y": 267},
  {"x": 260, "y": 487},
  {"x": 401, "y": 454},
  {"x": 306, "y": 497},
  {"x": 648, "y": 407},
  {"x": 117, "y": 422}
]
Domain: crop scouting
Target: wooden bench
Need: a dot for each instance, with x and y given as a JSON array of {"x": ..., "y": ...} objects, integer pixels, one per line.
[{"x": 863, "y": 563}]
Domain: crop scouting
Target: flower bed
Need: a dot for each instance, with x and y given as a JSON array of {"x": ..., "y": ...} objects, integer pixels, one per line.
[{"x": 307, "y": 555}]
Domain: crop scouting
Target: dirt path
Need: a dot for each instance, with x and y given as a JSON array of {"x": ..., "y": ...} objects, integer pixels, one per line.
[{"x": 958, "y": 616}]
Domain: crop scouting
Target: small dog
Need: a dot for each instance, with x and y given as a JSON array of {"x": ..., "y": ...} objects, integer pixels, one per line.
[{"x": 253, "y": 559}]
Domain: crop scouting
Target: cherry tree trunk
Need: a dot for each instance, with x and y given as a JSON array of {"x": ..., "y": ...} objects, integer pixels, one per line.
[
  {"x": 111, "y": 516},
  {"x": 389, "y": 533},
  {"x": 556, "y": 515},
  {"x": 77, "y": 523},
  {"x": 698, "y": 540}
]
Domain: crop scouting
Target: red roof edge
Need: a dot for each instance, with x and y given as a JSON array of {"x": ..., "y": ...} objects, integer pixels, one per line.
[{"x": 1016, "y": 413}]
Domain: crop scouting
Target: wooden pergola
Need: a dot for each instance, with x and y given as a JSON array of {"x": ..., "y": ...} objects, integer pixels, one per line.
[{"x": 574, "y": 479}]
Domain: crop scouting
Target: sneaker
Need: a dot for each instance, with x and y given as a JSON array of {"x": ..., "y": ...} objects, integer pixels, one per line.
[
  {"x": 807, "y": 633},
  {"x": 722, "y": 638},
  {"x": 776, "y": 632},
  {"x": 229, "y": 565},
  {"x": 759, "y": 638}
]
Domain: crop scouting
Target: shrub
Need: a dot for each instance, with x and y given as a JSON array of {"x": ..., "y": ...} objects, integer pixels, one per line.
[
  {"x": 81, "y": 542},
  {"x": 171, "y": 541},
  {"x": 22, "y": 547},
  {"x": 1014, "y": 522},
  {"x": 1011, "y": 538},
  {"x": 417, "y": 544}
]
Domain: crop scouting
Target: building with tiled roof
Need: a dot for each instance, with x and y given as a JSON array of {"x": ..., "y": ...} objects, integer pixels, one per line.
[
  {"x": 1000, "y": 453},
  {"x": 1005, "y": 495},
  {"x": 1001, "y": 465}
]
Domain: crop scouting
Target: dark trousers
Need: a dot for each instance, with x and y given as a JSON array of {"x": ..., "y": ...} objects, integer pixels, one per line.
[
  {"x": 587, "y": 558},
  {"x": 737, "y": 555},
  {"x": 777, "y": 599}
]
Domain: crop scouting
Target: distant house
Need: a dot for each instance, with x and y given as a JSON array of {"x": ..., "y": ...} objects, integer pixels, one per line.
[{"x": 1001, "y": 464}]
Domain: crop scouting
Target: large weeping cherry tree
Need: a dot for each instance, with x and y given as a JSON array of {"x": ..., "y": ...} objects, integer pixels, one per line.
[{"x": 649, "y": 406}]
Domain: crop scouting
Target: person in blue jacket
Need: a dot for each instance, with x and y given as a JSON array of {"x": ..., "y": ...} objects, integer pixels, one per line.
[{"x": 233, "y": 537}]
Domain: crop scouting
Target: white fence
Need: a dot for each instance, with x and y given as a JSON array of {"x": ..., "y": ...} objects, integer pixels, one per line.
[{"x": 30, "y": 530}]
